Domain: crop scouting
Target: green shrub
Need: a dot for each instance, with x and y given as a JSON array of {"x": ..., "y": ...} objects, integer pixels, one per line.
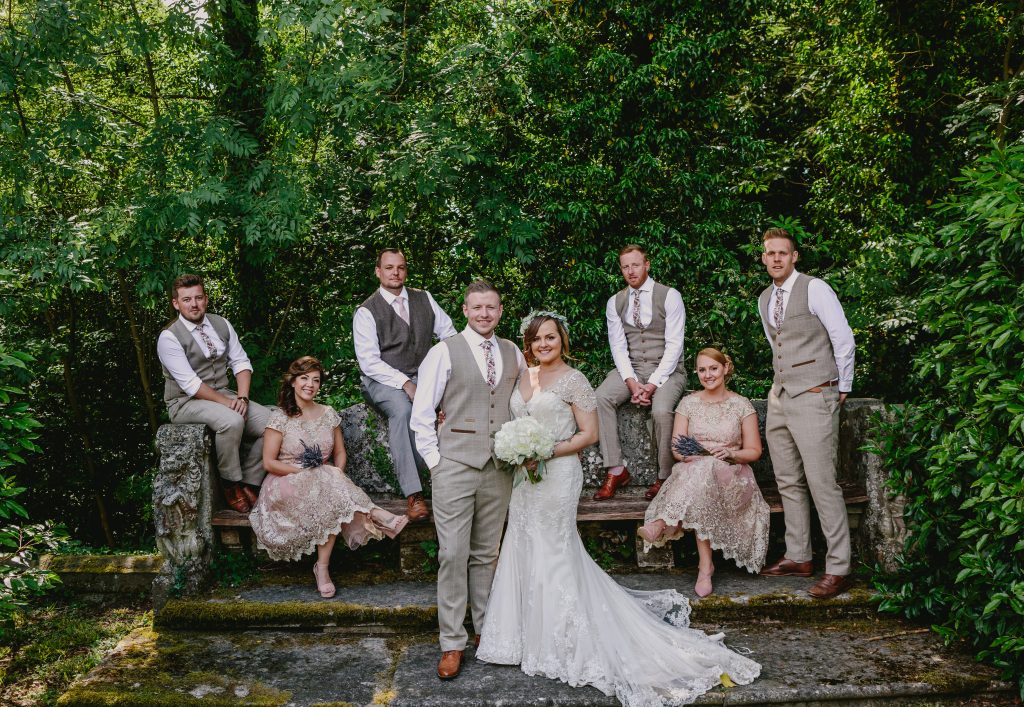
[
  {"x": 20, "y": 543},
  {"x": 957, "y": 450}
]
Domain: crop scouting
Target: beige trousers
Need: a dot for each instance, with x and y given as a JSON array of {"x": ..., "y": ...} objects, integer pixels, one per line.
[
  {"x": 613, "y": 393},
  {"x": 237, "y": 440},
  {"x": 803, "y": 439},
  {"x": 469, "y": 506}
]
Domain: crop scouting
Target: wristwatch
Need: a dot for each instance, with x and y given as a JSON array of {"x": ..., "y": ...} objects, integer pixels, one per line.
[{"x": 242, "y": 397}]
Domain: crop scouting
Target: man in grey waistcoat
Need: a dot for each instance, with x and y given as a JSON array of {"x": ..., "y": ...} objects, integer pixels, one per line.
[
  {"x": 471, "y": 376},
  {"x": 812, "y": 358},
  {"x": 646, "y": 324},
  {"x": 392, "y": 331},
  {"x": 196, "y": 350}
]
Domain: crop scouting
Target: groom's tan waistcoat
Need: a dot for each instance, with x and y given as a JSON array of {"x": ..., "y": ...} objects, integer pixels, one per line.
[
  {"x": 473, "y": 411},
  {"x": 802, "y": 355}
]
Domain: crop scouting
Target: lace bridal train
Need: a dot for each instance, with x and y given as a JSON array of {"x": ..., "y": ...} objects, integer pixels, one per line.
[{"x": 555, "y": 613}]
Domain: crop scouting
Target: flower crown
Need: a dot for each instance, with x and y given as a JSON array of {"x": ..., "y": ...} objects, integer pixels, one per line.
[{"x": 541, "y": 313}]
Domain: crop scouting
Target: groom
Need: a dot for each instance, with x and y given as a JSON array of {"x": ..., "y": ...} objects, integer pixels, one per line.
[{"x": 472, "y": 376}]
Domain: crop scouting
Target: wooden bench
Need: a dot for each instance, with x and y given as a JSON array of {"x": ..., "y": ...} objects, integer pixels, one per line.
[{"x": 230, "y": 525}]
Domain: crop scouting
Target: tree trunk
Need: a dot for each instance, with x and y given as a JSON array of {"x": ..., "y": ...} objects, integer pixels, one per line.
[
  {"x": 242, "y": 98},
  {"x": 140, "y": 352}
]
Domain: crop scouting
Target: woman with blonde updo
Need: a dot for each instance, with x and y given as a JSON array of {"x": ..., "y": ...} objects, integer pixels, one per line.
[
  {"x": 715, "y": 495},
  {"x": 307, "y": 500}
]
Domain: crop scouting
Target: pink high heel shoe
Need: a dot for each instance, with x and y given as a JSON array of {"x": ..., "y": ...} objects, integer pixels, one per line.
[
  {"x": 392, "y": 527},
  {"x": 703, "y": 587},
  {"x": 648, "y": 532},
  {"x": 326, "y": 588}
]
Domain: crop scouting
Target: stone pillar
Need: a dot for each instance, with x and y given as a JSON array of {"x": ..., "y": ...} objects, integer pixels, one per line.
[
  {"x": 884, "y": 533},
  {"x": 182, "y": 510}
]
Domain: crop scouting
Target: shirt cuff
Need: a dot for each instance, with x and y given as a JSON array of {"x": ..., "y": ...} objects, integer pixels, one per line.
[
  {"x": 432, "y": 459},
  {"x": 192, "y": 387},
  {"x": 241, "y": 367}
]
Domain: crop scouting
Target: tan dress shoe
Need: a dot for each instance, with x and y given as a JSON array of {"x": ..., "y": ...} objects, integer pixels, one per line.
[
  {"x": 450, "y": 665},
  {"x": 653, "y": 489},
  {"x": 417, "y": 508},
  {"x": 787, "y": 568},
  {"x": 829, "y": 586},
  {"x": 236, "y": 499},
  {"x": 612, "y": 483}
]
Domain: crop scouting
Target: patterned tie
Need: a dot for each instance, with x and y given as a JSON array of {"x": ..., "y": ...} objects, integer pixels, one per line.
[
  {"x": 492, "y": 376},
  {"x": 401, "y": 309},
  {"x": 777, "y": 310},
  {"x": 206, "y": 340},
  {"x": 636, "y": 310}
]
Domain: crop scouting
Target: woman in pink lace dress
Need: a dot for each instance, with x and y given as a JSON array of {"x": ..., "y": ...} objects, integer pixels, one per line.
[
  {"x": 714, "y": 495},
  {"x": 306, "y": 501}
]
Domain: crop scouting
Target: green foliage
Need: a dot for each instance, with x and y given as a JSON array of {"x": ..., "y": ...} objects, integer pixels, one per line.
[
  {"x": 20, "y": 543},
  {"x": 232, "y": 569},
  {"x": 611, "y": 545},
  {"x": 957, "y": 449}
]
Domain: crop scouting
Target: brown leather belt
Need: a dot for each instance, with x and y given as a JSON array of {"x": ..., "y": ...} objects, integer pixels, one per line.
[{"x": 819, "y": 388}]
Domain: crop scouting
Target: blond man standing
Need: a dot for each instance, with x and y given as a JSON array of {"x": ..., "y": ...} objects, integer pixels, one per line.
[{"x": 812, "y": 356}]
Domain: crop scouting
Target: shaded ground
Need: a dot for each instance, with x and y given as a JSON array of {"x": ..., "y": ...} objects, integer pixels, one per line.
[{"x": 49, "y": 645}]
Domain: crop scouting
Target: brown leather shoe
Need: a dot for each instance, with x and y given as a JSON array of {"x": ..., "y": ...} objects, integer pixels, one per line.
[
  {"x": 417, "y": 508},
  {"x": 612, "y": 483},
  {"x": 236, "y": 499},
  {"x": 830, "y": 585},
  {"x": 251, "y": 493},
  {"x": 788, "y": 568},
  {"x": 450, "y": 665},
  {"x": 653, "y": 489},
  {"x": 476, "y": 641}
]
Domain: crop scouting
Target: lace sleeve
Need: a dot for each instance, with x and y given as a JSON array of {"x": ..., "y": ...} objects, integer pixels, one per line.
[
  {"x": 277, "y": 420},
  {"x": 332, "y": 417},
  {"x": 746, "y": 407},
  {"x": 578, "y": 391},
  {"x": 685, "y": 405}
]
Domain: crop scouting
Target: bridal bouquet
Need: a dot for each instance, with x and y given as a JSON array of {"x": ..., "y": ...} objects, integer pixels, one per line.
[{"x": 521, "y": 440}]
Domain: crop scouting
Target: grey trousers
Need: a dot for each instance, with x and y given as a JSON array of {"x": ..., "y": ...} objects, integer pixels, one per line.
[
  {"x": 395, "y": 405},
  {"x": 237, "y": 440},
  {"x": 612, "y": 393},
  {"x": 803, "y": 439},
  {"x": 470, "y": 506}
]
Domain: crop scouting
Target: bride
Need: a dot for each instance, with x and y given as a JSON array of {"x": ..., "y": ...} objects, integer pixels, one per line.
[{"x": 552, "y": 610}]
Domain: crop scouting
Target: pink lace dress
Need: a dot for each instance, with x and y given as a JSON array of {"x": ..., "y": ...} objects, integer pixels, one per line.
[
  {"x": 297, "y": 512},
  {"x": 720, "y": 502}
]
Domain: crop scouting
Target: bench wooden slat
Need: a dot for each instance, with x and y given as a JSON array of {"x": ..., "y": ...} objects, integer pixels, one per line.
[{"x": 619, "y": 508}]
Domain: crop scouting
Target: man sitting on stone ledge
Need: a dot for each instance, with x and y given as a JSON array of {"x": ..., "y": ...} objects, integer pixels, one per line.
[
  {"x": 646, "y": 321},
  {"x": 392, "y": 331},
  {"x": 196, "y": 350}
]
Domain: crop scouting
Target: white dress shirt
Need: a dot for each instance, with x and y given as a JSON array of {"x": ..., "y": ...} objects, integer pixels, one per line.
[
  {"x": 433, "y": 376},
  {"x": 173, "y": 358},
  {"x": 364, "y": 336},
  {"x": 675, "y": 327},
  {"x": 823, "y": 303}
]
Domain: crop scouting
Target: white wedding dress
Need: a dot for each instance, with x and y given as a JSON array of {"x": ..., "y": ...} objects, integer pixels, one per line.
[{"x": 555, "y": 613}]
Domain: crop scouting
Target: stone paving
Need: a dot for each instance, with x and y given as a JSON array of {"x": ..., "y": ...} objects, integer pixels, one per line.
[{"x": 845, "y": 655}]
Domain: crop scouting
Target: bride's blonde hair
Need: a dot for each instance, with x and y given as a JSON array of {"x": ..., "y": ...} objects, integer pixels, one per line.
[{"x": 722, "y": 358}]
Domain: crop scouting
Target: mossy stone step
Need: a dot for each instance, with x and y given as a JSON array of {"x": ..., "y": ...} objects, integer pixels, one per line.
[
  {"x": 850, "y": 662},
  {"x": 390, "y": 607}
]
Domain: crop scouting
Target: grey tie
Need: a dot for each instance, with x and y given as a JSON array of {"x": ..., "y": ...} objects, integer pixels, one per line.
[{"x": 207, "y": 340}]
